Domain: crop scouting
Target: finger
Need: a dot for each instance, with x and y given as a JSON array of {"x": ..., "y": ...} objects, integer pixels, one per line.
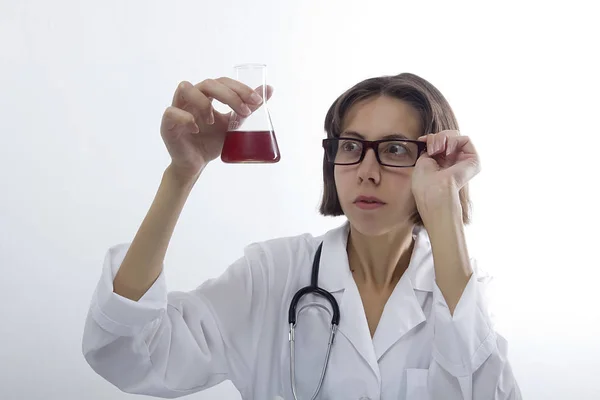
[
  {"x": 268, "y": 92},
  {"x": 251, "y": 97},
  {"x": 176, "y": 120},
  {"x": 441, "y": 142},
  {"x": 444, "y": 140},
  {"x": 465, "y": 170},
  {"x": 425, "y": 138},
  {"x": 461, "y": 144},
  {"x": 238, "y": 120},
  {"x": 470, "y": 165},
  {"x": 452, "y": 145},
  {"x": 438, "y": 143},
  {"x": 225, "y": 94},
  {"x": 450, "y": 132},
  {"x": 435, "y": 143},
  {"x": 189, "y": 98}
]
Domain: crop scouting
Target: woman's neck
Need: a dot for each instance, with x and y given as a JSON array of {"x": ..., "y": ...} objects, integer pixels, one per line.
[{"x": 378, "y": 262}]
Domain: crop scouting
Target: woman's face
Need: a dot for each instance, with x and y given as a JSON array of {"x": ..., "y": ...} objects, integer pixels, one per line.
[{"x": 373, "y": 119}]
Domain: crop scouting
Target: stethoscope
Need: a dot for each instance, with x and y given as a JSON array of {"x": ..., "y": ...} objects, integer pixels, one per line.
[{"x": 335, "y": 320}]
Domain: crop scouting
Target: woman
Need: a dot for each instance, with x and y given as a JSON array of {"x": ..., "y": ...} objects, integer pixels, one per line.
[{"x": 413, "y": 322}]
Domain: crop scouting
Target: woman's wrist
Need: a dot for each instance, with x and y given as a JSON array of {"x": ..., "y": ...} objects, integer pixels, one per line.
[{"x": 182, "y": 178}]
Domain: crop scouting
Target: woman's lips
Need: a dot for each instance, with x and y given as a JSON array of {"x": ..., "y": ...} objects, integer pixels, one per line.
[
  {"x": 364, "y": 205},
  {"x": 368, "y": 202}
]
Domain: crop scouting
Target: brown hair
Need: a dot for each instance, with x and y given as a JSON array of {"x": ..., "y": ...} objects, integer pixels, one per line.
[{"x": 436, "y": 115}]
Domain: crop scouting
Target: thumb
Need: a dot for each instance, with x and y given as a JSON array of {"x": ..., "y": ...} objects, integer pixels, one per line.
[{"x": 427, "y": 163}]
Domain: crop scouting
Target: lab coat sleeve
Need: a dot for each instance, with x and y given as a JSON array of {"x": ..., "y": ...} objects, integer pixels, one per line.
[
  {"x": 468, "y": 350},
  {"x": 173, "y": 344}
]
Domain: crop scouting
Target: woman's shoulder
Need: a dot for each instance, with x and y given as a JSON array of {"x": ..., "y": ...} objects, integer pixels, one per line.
[
  {"x": 284, "y": 250},
  {"x": 293, "y": 252}
]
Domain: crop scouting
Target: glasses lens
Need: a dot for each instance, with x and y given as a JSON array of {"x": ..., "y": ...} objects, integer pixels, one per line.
[
  {"x": 343, "y": 151},
  {"x": 398, "y": 153}
]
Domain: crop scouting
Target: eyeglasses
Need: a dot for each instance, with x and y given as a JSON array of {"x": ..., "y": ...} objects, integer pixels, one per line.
[{"x": 389, "y": 152}]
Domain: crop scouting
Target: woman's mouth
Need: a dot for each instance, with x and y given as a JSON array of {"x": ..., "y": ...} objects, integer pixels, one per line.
[{"x": 368, "y": 202}]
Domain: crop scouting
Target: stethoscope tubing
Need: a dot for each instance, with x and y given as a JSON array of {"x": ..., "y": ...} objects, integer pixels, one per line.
[{"x": 335, "y": 320}]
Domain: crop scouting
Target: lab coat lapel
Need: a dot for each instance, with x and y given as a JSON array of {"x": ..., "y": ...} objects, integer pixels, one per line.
[
  {"x": 335, "y": 275},
  {"x": 403, "y": 311},
  {"x": 354, "y": 326}
]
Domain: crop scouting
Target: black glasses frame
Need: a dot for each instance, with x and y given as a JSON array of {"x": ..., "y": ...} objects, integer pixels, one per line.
[{"x": 372, "y": 144}]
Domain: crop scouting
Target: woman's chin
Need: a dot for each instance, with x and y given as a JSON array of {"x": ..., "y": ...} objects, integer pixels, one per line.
[
  {"x": 373, "y": 226},
  {"x": 370, "y": 226}
]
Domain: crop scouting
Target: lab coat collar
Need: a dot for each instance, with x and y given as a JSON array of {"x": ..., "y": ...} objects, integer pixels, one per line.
[
  {"x": 402, "y": 312},
  {"x": 420, "y": 268},
  {"x": 334, "y": 270}
]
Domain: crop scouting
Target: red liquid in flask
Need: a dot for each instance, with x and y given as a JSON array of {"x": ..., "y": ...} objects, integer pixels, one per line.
[{"x": 250, "y": 147}]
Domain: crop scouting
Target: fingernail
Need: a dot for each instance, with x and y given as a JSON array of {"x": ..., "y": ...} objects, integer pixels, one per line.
[
  {"x": 256, "y": 99},
  {"x": 211, "y": 119},
  {"x": 246, "y": 110}
]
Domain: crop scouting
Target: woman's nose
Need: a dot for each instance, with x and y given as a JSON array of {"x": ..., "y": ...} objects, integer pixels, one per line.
[{"x": 369, "y": 168}]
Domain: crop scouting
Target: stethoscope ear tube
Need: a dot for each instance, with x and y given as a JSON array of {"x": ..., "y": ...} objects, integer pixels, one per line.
[{"x": 315, "y": 289}]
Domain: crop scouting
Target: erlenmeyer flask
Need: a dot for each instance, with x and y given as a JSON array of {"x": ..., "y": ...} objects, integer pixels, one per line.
[{"x": 251, "y": 139}]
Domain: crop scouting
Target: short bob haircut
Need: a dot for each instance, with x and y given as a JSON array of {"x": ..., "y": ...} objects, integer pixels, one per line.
[{"x": 436, "y": 115}]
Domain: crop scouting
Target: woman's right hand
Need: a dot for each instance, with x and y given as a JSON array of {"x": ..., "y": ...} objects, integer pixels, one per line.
[{"x": 193, "y": 131}]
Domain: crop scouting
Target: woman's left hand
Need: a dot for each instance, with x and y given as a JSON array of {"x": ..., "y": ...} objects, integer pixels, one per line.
[{"x": 448, "y": 164}]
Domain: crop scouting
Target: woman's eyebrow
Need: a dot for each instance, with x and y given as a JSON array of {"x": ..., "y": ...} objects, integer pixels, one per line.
[{"x": 390, "y": 136}]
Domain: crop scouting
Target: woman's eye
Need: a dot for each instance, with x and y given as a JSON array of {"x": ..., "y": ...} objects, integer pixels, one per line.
[
  {"x": 349, "y": 146},
  {"x": 396, "y": 149}
]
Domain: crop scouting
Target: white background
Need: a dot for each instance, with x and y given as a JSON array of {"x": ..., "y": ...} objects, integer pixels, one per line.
[{"x": 82, "y": 89}]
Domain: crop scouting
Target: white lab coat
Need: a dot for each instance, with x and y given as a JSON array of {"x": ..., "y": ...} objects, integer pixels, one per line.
[{"x": 235, "y": 327}]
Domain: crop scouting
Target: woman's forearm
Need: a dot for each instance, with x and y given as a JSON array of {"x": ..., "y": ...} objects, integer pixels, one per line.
[{"x": 144, "y": 260}]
